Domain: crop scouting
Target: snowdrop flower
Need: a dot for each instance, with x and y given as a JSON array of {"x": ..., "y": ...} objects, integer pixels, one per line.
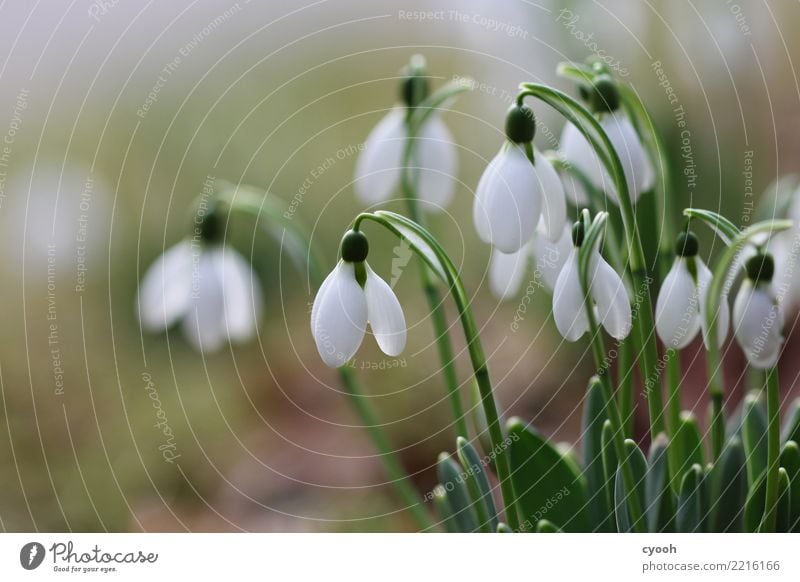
[
  {"x": 785, "y": 249},
  {"x": 607, "y": 294},
  {"x": 757, "y": 314},
  {"x": 351, "y": 297},
  {"x": 205, "y": 284},
  {"x": 380, "y": 164},
  {"x": 518, "y": 187},
  {"x": 681, "y": 304},
  {"x": 639, "y": 172},
  {"x": 507, "y": 271}
]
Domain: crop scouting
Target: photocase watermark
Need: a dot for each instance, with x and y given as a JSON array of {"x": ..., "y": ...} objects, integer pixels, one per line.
[
  {"x": 316, "y": 173},
  {"x": 570, "y": 20},
  {"x": 476, "y": 18},
  {"x": 530, "y": 523},
  {"x": 53, "y": 333},
  {"x": 100, "y": 8},
  {"x": 749, "y": 203},
  {"x": 82, "y": 234},
  {"x": 401, "y": 256},
  {"x": 168, "y": 448},
  {"x": 738, "y": 15},
  {"x": 196, "y": 242},
  {"x": 385, "y": 364},
  {"x": 20, "y": 105}
]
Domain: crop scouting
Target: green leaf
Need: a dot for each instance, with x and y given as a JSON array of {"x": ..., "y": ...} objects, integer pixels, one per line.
[
  {"x": 545, "y": 526},
  {"x": 754, "y": 436},
  {"x": 418, "y": 239},
  {"x": 791, "y": 423},
  {"x": 451, "y": 477},
  {"x": 601, "y": 517},
  {"x": 754, "y": 506},
  {"x": 622, "y": 497},
  {"x": 790, "y": 460},
  {"x": 443, "y": 509},
  {"x": 729, "y": 488},
  {"x": 478, "y": 485},
  {"x": 726, "y": 230},
  {"x": 545, "y": 485},
  {"x": 659, "y": 502},
  {"x": 784, "y": 522},
  {"x": 503, "y": 528},
  {"x": 690, "y": 501},
  {"x": 689, "y": 442},
  {"x": 479, "y": 424},
  {"x": 610, "y": 463}
]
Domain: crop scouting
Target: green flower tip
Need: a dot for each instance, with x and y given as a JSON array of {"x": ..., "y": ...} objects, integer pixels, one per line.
[
  {"x": 605, "y": 96},
  {"x": 355, "y": 247},
  {"x": 520, "y": 124},
  {"x": 208, "y": 222},
  {"x": 414, "y": 88},
  {"x": 686, "y": 244},
  {"x": 760, "y": 268},
  {"x": 578, "y": 232}
]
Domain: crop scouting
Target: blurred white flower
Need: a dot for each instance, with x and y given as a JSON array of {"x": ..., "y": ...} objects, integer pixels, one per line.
[
  {"x": 757, "y": 314},
  {"x": 507, "y": 271},
  {"x": 435, "y": 161},
  {"x": 607, "y": 293},
  {"x": 344, "y": 306},
  {"x": 210, "y": 287}
]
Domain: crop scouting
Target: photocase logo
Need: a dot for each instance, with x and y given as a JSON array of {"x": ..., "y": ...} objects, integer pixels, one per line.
[{"x": 31, "y": 555}]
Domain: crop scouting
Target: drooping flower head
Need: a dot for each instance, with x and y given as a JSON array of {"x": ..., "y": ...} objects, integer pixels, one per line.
[
  {"x": 204, "y": 283},
  {"x": 608, "y": 296},
  {"x": 518, "y": 188},
  {"x": 757, "y": 313},
  {"x": 351, "y": 297},
  {"x": 435, "y": 161},
  {"x": 682, "y": 301},
  {"x": 604, "y": 100}
]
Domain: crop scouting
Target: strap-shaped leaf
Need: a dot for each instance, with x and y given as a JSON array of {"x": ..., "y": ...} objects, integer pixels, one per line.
[
  {"x": 754, "y": 506},
  {"x": 610, "y": 464},
  {"x": 690, "y": 443},
  {"x": 659, "y": 502},
  {"x": 726, "y": 230},
  {"x": 638, "y": 464},
  {"x": 601, "y": 516},
  {"x": 690, "y": 501},
  {"x": 503, "y": 528},
  {"x": 443, "y": 509},
  {"x": 452, "y": 478},
  {"x": 729, "y": 488},
  {"x": 784, "y": 521},
  {"x": 791, "y": 424},
  {"x": 478, "y": 485},
  {"x": 754, "y": 436},
  {"x": 546, "y": 486},
  {"x": 545, "y": 526},
  {"x": 790, "y": 460}
]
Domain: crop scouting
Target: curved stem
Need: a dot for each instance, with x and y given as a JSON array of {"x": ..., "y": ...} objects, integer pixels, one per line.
[
  {"x": 769, "y": 521},
  {"x": 435, "y": 303},
  {"x": 269, "y": 214},
  {"x": 441, "y": 264},
  {"x": 644, "y": 323}
]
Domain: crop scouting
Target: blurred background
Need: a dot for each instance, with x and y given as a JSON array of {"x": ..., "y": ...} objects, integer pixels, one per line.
[{"x": 114, "y": 113}]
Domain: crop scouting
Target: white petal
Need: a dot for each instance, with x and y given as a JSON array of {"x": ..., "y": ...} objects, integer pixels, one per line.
[
  {"x": 611, "y": 298},
  {"x": 678, "y": 306},
  {"x": 785, "y": 249},
  {"x": 704, "y": 277},
  {"x": 241, "y": 291},
  {"x": 549, "y": 257},
  {"x": 165, "y": 290},
  {"x": 378, "y": 166},
  {"x": 579, "y": 152},
  {"x": 554, "y": 211},
  {"x": 385, "y": 315},
  {"x": 511, "y": 200},
  {"x": 569, "y": 311},
  {"x": 339, "y": 316},
  {"x": 757, "y": 324},
  {"x": 631, "y": 153},
  {"x": 204, "y": 324},
  {"x": 437, "y": 161},
  {"x": 485, "y": 184},
  {"x": 506, "y": 271}
]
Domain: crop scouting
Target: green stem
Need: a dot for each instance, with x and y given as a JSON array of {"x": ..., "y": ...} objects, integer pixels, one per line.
[
  {"x": 435, "y": 304},
  {"x": 769, "y": 521},
  {"x": 391, "y": 463},
  {"x": 643, "y": 324},
  {"x": 444, "y": 266},
  {"x": 271, "y": 216},
  {"x": 625, "y": 386}
]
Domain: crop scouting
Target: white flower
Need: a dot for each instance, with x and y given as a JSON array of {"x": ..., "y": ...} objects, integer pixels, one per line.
[
  {"x": 342, "y": 309},
  {"x": 210, "y": 287},
  {"x": 609, "y": 298},
  {"x": 435, "y": 162},
  {"x": 507, "y": 271},
  {"x": 638, "y": 169},
  {"x": 509, "y": 199},
  {"x": 681, "y": 304},
  {"x": 758, "y": 323}
]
